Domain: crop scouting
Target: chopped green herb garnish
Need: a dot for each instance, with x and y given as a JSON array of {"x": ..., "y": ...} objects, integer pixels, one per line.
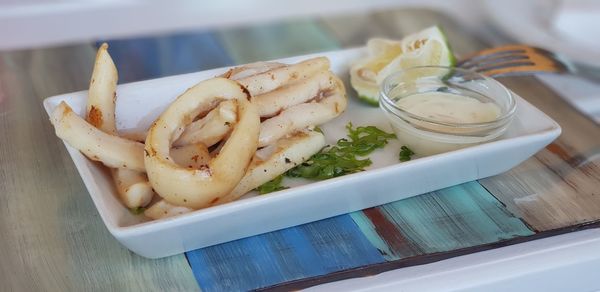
[
  {"x": 342, "y": 158},
  {"x": 271, "y": 186},
  {"x": 364, "y": 140},
  {"x": 331, "y": 162},
  {"x": 405, "y": 153},
  {"x": 138, "y": 210}
]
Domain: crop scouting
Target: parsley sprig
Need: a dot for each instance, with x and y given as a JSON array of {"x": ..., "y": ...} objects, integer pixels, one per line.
[
  {"x": 337, "y": 160},
  {"x": 343, "y": 157},
  {"x": 271, "y": 186},
  {"x": 405, "y": 153}
]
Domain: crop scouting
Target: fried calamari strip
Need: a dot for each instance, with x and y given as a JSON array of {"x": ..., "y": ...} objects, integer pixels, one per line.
[
  {"x": 103, "y": 92},
  {"x": 212, "y": 128},
  {"x": 163, "y": 209},
  {"x": 133, "y": 187},
  {"x": 300, "y": 116},
  {"x": 271, "y": 103},
  {"x": 247, "y": 70},
  {"x": 275, "y": 78},
  {"x": 112, "y": 151},
  {"x": 274, "y": 160}
]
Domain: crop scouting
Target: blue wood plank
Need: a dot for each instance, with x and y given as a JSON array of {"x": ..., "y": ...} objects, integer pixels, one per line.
[
  {"x": 153, "y": 57},
  {"x": 294, "y": 253}
]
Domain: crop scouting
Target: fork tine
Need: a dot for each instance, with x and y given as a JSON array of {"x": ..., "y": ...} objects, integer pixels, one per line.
[
  {"x": 519, "y": 59},
  {"x": 491, "y": 60},
  {"x": 518, "y": 69},
  {"x": 502, "y": 65},
  {"x": 482, "y": 56},
  {"x": 486, "y": 53}
]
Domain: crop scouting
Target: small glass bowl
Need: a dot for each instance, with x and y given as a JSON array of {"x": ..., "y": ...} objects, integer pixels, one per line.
[{"x": 426, "y": 136}]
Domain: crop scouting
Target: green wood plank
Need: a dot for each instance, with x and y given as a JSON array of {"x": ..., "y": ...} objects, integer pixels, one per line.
[{"x": 273, "y": 41}]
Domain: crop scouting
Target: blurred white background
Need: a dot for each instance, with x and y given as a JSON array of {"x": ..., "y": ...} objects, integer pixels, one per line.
[
  {"x": 569, "y": 27},
  {"x": 33, "y": 23}
]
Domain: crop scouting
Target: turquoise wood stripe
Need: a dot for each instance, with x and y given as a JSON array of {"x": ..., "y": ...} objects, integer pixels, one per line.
[
  {"x": 370, "y": 230},
  {"x": 273, "y": 41},
  {"x": 457, "y": 217},
  {"x": 294, "y": 253},
  {"x": 153, "y": 57}
]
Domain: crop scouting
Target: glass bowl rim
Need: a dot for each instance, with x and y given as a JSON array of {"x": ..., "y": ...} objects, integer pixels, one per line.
[{"x": 386, "y": 100}]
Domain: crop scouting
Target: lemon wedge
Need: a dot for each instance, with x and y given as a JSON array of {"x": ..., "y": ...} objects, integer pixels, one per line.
[{"x": 428, "y": 47}]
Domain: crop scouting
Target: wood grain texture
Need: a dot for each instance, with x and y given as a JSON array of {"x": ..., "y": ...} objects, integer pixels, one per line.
[
  {"x": 448, "y": 219},
  {"x": 52, "y": 236},
  {"x": 305, "y": 251},
  {"x": 559, "y": 186}
]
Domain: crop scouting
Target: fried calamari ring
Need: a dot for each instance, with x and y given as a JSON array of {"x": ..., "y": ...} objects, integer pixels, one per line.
[
  {"x": 197, "y": 188},
  {"x": 192, "y": 156},
  {"x": 300, "y": 116},
  {"x": 112, "y": 151}
]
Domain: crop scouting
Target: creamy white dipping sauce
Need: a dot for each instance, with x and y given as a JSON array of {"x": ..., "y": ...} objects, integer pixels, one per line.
[
  {"x": 426, "y": 138},
  {"x": 449, "y": 108}
]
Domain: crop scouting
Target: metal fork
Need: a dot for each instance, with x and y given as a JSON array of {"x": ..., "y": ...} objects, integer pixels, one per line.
[{"x": 512, "y": 60}]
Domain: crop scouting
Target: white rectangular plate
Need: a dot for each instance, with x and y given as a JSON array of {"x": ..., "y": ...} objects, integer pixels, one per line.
[{"x": 386, "y": 180}]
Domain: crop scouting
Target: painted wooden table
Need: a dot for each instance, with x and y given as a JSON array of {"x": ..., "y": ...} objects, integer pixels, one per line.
[{"x": 51, "y": 237}]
